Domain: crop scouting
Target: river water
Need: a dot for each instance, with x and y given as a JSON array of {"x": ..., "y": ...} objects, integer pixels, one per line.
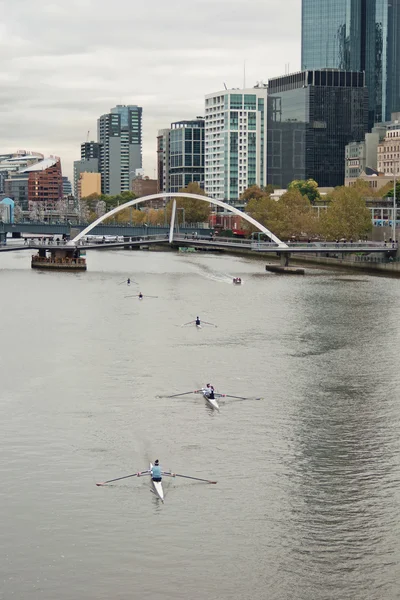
[{"x": 308, "y": 495}]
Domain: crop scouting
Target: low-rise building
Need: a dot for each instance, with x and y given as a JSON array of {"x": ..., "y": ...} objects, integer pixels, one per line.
[
  {"x": 389, "y": 148},
  {"x": 85, "y": 165},
  {"x": 88, "y": 184},
  {"x": 144, "y": 186},
  {"x": 363, "y": 155},
  {"x": 376, "y": 181}
]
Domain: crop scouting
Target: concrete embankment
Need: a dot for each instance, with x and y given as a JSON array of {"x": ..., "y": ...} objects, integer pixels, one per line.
[{"x": 355, "y": 263}]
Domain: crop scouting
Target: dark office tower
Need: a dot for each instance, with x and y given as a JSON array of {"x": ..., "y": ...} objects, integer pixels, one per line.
[
  {"x": 90, "y": 150},
  {"x": 312, "y": 115},
  {"x": 357, "y": 35}
]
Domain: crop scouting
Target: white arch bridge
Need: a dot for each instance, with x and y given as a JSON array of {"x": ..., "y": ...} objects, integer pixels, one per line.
[
  {"x": 275, "y": 246},
  {"x": 136, "y": 201}
]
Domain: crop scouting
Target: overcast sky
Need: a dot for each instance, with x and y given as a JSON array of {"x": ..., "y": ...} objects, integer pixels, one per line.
[{"x": 66, "y": 62}]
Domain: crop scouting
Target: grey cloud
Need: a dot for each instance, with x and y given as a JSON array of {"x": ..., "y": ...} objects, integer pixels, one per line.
[{"x": 66, "y": 62}]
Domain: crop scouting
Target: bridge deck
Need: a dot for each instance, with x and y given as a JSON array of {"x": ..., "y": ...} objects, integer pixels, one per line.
[{"x": 218, "y": 244}]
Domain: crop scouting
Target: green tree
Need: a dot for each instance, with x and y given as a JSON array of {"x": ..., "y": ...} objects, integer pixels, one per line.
[
  {"x": 262, "y": 209},
  {"x": 291, "y": 215},
  {"x": 346, "y": 216},
  {"x": 390, "y": 192},
  {"x": 254, "y": 192},
  {"x": 196, "y": 211},
  {"x": 307, "y": 188},
  {"x": 364, "y": 189},
  {"x": 269, "y": 189}
]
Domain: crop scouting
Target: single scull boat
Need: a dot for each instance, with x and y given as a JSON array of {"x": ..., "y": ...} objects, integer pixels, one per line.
[
  {"x": 157, "y": 486},
  {"x": 210, "y": 401}
]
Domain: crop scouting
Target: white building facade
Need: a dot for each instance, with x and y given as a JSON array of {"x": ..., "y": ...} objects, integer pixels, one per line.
[{"x": 235, "y": 142}]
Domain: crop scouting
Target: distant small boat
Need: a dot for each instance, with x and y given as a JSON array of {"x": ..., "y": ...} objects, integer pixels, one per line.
[{"x": 237, "y": 280}]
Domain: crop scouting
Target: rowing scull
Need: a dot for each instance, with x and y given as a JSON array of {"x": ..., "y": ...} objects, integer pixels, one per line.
[
  {"x": 210, "y": 401},
  {"x": 157, "y": 486}
]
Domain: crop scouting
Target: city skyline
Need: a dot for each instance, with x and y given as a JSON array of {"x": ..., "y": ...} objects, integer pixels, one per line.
[{"x": 65, "y": 65}]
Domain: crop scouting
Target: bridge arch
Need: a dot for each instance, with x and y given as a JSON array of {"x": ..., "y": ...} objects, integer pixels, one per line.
[{"x": 227, "y": 207}]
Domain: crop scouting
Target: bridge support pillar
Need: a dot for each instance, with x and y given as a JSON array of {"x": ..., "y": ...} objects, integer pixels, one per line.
[
  {"x": 172, "y": 224},
  {"x": 285, "y": 259}
]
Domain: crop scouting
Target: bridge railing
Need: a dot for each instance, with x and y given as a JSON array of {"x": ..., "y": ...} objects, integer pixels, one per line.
[{"x": 340, "y": 244}]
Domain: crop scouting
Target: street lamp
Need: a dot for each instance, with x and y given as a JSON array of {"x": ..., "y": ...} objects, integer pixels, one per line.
[{"x": 395, "y": 166}]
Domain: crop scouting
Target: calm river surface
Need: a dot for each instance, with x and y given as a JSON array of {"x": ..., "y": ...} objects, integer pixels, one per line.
[{"x": 308, "y": 497}]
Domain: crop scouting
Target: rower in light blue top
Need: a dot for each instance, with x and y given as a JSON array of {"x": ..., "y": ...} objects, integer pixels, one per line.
[{"x": 156, "y": 473}]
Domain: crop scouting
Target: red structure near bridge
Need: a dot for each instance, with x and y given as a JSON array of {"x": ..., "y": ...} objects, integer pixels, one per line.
[{"x": 224, "y": 222}]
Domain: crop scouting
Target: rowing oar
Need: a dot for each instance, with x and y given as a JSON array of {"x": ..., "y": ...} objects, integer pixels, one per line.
[
  {"x": 206, "y": 323},
  {"x": 195, "y": 478},
  {"x": 184, "y": 394},
  {"x": 239, "y": 397},
  {"x": 190, "y": 322},
  {"x": 137, "y": 296},
  {"x": 118, "y": 479}
]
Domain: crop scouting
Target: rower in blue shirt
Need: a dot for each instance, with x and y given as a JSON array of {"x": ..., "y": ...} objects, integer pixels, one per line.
[
  {"x": 156, "y": 473},
  {"x": 198, "y": 322}
]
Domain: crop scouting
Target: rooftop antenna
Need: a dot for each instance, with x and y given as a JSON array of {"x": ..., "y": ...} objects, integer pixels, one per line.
[
  {"x": 225, "y": 86},
  {"x": 244, "y": 74}
]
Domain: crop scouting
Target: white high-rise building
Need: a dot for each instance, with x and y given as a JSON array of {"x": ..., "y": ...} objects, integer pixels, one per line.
[{"x": 235, "y": 142}]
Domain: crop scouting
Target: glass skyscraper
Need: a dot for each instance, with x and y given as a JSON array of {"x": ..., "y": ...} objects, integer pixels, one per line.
[
  {"x": 312, "y": 115},
  {"x": 357, "y": 35},
  {"x": 180, "y": 155},
  {"x": 186, "y": 154}
]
